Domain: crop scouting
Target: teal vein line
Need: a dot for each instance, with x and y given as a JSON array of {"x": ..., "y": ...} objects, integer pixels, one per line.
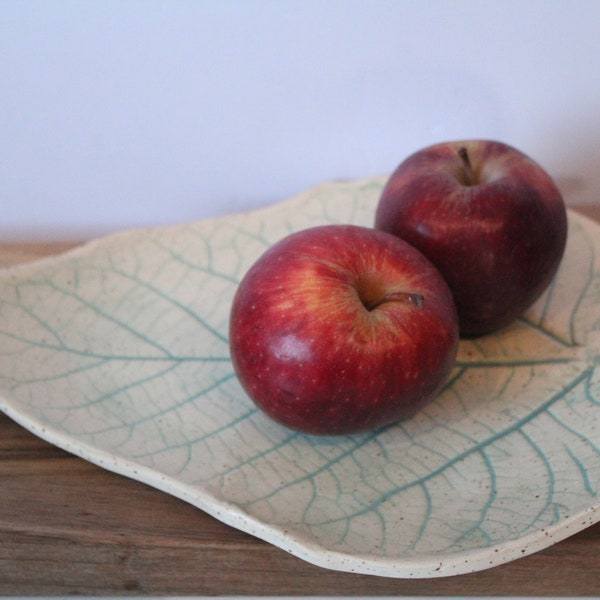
[
  {"x": 550, "y": 297},
  {"x": 426, "y": 517},
  {"x": 124, "y": 388},
  {"x": 477, "y": 448},
  {"x": 478, "y": 526},
  {"x": 551, "y": 336},
  {"x": 576, "y": 460},
  {"x": 55, "y": 376},
  {"x": 584, "y": 474},
  {"x": 28, "y": 311},
  {"x": 590, "y": 395},
  {"x": 262, "y": 454},
  {"x": 548, "y": 302},
  {"x": 211, "y": 434},
  {"x": 462, "y": 370},
  {"x": 170, "y": 300},
  {"x": 196, "y": 267},
  {"x": 323, "y": 468},
  {"x": 151, "y": 416},
  {"x": 551, "y": 478},
  {"x": 574, "y": 432},
  {"x": 112, "y": 357},
  {"x": 111, "y": 318},
  {"x": 241, "y": 231},
  {"x": 499, "y": 363}
]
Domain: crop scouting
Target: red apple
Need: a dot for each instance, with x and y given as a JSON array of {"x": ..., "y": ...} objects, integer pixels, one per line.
[
  {"x": 488, "y": 217},
  {"x": 339, "y": 329}
]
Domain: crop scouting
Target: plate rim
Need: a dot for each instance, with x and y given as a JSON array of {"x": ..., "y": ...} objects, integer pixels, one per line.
[{"x": 420, "y": 566}]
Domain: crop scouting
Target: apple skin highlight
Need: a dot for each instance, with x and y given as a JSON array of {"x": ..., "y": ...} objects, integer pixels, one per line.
[
  {"x": 340, "y": 329},
  {"x": 488, "y": 217}
]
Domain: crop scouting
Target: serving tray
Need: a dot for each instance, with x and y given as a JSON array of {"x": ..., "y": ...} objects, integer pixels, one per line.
[{"x": 117, "y": 352}]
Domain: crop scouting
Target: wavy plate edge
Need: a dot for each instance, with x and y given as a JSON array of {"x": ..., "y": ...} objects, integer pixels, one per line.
[{"x": 426, "y": 566}]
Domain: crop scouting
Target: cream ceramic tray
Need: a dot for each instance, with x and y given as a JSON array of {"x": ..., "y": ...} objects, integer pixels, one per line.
[{"x": 117, "y": 352}]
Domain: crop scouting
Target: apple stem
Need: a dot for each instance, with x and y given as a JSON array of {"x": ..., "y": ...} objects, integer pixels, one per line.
[
  {"x": 468, "y": 167},
  {"x": 417, "y": 300}
]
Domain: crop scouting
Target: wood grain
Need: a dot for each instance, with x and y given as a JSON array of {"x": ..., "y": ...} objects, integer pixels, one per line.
[{"x": 68, "y": 527}]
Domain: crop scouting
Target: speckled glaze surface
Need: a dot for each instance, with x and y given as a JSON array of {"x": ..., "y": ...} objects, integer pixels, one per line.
[{"x": 118, "y": 353}]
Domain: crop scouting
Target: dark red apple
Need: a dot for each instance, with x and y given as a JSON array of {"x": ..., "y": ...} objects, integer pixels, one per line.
[
  {"x": 488, "y": 217},
  {"x": 339, "y": 329}
]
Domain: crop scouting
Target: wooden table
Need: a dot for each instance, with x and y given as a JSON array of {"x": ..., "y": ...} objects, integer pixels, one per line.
[{"x": 68, "y": 527}]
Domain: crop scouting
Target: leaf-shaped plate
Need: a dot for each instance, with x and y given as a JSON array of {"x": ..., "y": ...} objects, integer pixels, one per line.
[{"x": 117, "y": 352}]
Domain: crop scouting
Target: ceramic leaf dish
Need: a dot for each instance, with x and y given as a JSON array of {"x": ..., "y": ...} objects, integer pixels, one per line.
[{"x": 117, "y": 352}]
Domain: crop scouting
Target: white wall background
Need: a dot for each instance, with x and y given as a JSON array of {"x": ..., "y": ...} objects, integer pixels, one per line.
[{"x": 117, "y": 114}]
